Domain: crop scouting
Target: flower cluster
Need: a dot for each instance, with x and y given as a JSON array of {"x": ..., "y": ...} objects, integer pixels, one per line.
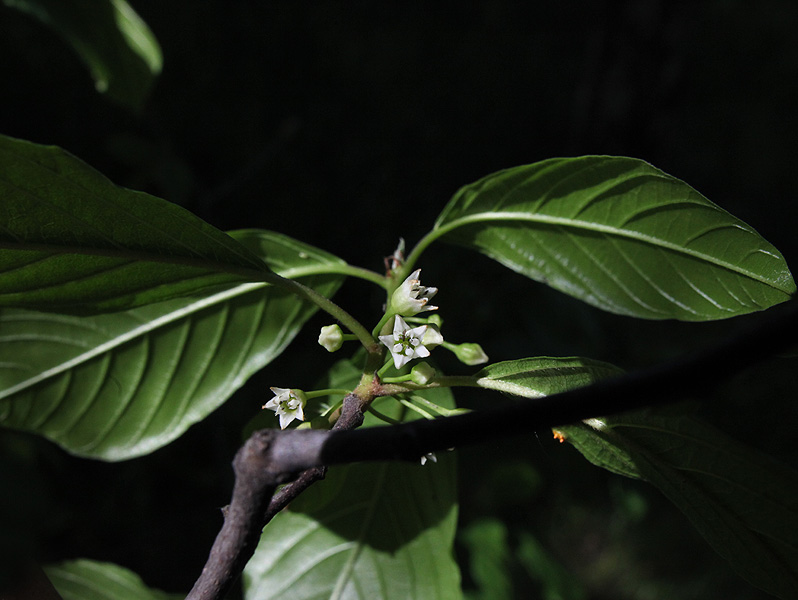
[{"x": 405, "y": 344}]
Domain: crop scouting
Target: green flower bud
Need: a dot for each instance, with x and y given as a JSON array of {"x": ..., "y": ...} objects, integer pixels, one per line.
[
  {"x": 436, "y": 320},
  {"x": 331, "y": 337},
  {"x": 422, "y": 374},
  {"x": 470, "y": 354},
  {"x": 432, "y": 337}
]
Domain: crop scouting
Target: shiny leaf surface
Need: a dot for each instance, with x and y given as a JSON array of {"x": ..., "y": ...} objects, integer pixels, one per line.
[
  {"x": 621, "y": 235},
  {"x": 70, "y": 240}
]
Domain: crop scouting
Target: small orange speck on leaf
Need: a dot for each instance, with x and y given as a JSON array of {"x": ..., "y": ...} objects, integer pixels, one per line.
[{"x": 558, "y": 435}]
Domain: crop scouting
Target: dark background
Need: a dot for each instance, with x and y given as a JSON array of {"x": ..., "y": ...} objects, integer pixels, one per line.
[{"x": 350, "y": 124}]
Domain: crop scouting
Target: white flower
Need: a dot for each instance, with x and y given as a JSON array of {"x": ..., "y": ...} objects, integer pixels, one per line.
[
  {"x": 411, "y": 297},
  {"x": 405, "y": 343},
  {"x": 288, "y": 405},
  {"x": 331, "y": 337}
]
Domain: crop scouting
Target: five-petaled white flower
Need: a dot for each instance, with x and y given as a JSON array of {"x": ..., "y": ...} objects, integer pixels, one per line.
[
  {"x": 288, "y": 405},
  {"x": 411, "y": 297},
  {"x": 405, "y": 343}
]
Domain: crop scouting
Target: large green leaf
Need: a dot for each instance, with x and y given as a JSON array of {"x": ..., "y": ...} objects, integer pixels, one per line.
[
  {"x": 119, "y": 385},
  {"x": 543, "y": 376},
  {"x": 117, "y": 46},
  {"x": 368, "y": 531},
  {"x": 744, "y": 503},
  {"x": 72, "y": 240},
  {"x": 92, "y": 580},
  {"x": 621, "y": 235}
]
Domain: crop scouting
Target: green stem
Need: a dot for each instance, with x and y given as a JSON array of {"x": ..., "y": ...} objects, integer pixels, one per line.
[
  {"x": 414, "y": 255},
  {"x": 381, "y": 416},
  {"x": 397, "y": 379},
  {"x": 455, "y": 381},
  {"x": 332, "y": 409},
  {"x": 331, "y": 308},
  {"x": 444, "y": 412},
  {"x": 378, "y": 329},
  {"x": 385, "y": 367},
  {"x": 415, "y": 408},
  {"x": 440, "y": 381},
  {"x": 327, "y": 392},
  {"x": 341, "y": 269}
]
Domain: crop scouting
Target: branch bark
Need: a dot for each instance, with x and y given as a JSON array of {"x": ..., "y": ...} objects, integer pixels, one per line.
[
  {"x": 270, "y": 457},
  {"x": 267, "y": 459},
  {"x": 255, "y": 482}
]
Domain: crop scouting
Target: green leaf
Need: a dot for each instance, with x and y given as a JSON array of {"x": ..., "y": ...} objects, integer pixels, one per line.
[
  {"x": 543, "y": 376},
  {"x": 112, "y": 40},
  {"x": 372, "y": 531},
  {"x": 489, "y": 558},
  {"x": 71, "y": 240},
  {"x": 92, "y": 580},
  {"x": 385, "y": 532},
  {"x": 620, "y": 235},
  {"x": 119, "y": 385},
  {"x": 745, "y": 504}
]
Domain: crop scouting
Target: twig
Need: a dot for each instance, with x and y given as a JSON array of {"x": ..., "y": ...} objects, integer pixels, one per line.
[
  {"x": 268, "y": 458},
  {"x": 255, "y": 483},
  {"x": 283, "y": 453},
  {"x": 351, "y": 417}
]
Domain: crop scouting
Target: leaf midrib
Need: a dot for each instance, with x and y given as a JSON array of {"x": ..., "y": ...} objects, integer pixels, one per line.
[
  {"x": 127, "y": 254},
  {"x": 77, "y": 183},
  {"x": 345, "y": 574},
  {"x": 130, "y": 335},
  {"x": 605, "y": 229}
]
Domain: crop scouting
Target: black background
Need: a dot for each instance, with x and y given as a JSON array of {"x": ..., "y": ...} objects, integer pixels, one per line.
[{"x": 349, "y": 125}]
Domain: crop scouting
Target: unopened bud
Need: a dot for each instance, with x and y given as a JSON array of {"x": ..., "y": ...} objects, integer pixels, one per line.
[
  {"x": 422, "y": 374},
  {"x": 470, "y": 354},
  {"x": 331, "y": 337}
]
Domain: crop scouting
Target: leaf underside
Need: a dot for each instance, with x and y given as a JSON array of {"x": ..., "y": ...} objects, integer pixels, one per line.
[
  {"x": 744, "y": 504},
  {"x": 621, "y": 235},
  {"x": 119, "y": 385},
  {"x": 92, "y": 580},
  {"x": 367, "y": 531},
  {"x": 543, "y": 376}
]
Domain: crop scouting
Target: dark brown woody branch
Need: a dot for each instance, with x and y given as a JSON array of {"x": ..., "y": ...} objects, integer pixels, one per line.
[{"x": 270, "y": 457}]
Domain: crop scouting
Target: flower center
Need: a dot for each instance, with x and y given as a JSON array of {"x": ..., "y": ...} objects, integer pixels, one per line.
[{"x": 405, "y": 342}]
